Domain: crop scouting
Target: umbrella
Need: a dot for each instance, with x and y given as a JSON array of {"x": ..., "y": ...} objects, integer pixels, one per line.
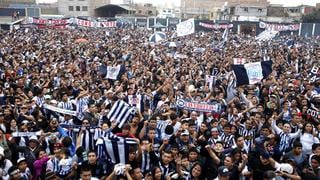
[
  {"x": 171, "y": 44},
  {"x": 81, "y": 40},
  {"x": 157, "y": 36}
]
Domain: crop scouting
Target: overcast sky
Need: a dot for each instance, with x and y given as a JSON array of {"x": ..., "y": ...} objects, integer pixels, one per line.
[{"x": 177, "y": 2}]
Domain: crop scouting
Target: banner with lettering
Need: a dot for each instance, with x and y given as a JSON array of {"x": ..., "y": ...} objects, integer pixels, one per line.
[
  {"x": 314, "y": 114},
  {"x": 314, "y": 73},
  {"x": 198, "y": 106},
  {"x": 40, "y": 22},
  {"x": 108, "y": 24},
  {"x": 215, "y": 26},
  {"x": 85, "y": 23},
  {"x": 279, "y": 27},
  {"x": 60, "y": 110}
]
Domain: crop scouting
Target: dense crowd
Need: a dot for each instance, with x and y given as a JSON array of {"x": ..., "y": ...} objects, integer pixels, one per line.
[{"x": 262, "y": 131}]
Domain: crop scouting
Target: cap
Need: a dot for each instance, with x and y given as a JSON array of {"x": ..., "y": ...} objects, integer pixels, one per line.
[
  {"x": 286, "y": 167},
  {"x": 21, "y": 160},
  {"x": 109, "y": 91},
  {"x": 214, "y": 129},
  {"x": 25, "y": 122},
  {"x": 33, "y": 138},
  {"x": 47, "y": 97},
  {"x": 185, "y": 133},
  {"x": 223, "y": 171},
  {"x": 13, "y": 170},
  {"x": 53, "y": 101}
]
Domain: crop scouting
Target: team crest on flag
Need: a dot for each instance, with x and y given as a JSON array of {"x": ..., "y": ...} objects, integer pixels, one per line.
[
  {"x": 254, "y": 72},
  {"x": 113, "y": 72}
]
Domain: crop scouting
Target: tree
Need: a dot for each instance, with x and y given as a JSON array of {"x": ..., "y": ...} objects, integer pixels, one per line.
[{"x": 313, "y": 17}]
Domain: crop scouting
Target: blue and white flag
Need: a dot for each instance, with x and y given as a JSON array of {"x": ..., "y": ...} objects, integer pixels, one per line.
[
  {"x": 224, "y": 39},
  {"x": 225, "y": 35},
  {"x": 121, "y": 112},
  {"x": 267, "y": 35},
  {"x": 252, "y": 73},
  {"x": 115, "y": 148},
  {"x": 290, "y": 43}
]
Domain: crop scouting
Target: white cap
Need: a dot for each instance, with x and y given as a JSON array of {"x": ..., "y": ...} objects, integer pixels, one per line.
[
  {"x": 53, "y": 101},
  {"x": 185, "y": 133},
  {"x": 20, "y": 160},
  {"x": 47, "y": 97},
  {"x": 286, "y": 167},
  {"x": 34, "y": 137}
]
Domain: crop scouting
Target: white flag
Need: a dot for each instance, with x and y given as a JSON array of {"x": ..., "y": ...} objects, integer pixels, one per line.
[
  {"x": 266, "y": 35},
  {"x": 112, "y": 72},
  {"x": 186, "y": 27}
]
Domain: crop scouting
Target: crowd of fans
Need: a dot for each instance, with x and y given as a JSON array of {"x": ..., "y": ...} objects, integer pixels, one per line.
[{"x": 263, "y": 131}]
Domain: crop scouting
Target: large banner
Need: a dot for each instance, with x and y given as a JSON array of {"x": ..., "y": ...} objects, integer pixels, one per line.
[
  {"x": 279, "y": 27},
  {"x": 215, "y": 26},
  {"x": 68, "y": 21},
  {"x": 198, "y": 106},
  {"x": 186, "y": 27}
]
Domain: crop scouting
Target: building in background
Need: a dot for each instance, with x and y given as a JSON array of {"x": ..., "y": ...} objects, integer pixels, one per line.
[
  {"x": 246, "y": 10},
  {"x": 279, "y": 13},
  {"x": 80, "y": 7},
  {"x": 202, "y": 9},
  {"x": 104, "y": 8},
  {"x": 7, "y": 3}
]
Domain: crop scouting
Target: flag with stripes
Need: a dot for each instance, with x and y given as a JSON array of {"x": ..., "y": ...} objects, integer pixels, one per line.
[
  {"x": 121, "y": 112},
  {"x": 251, "y": 73},
  {"x": 115, "y": 148}
]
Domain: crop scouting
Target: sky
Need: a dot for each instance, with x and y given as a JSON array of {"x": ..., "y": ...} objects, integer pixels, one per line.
[{"x": 177, "y": 2}]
